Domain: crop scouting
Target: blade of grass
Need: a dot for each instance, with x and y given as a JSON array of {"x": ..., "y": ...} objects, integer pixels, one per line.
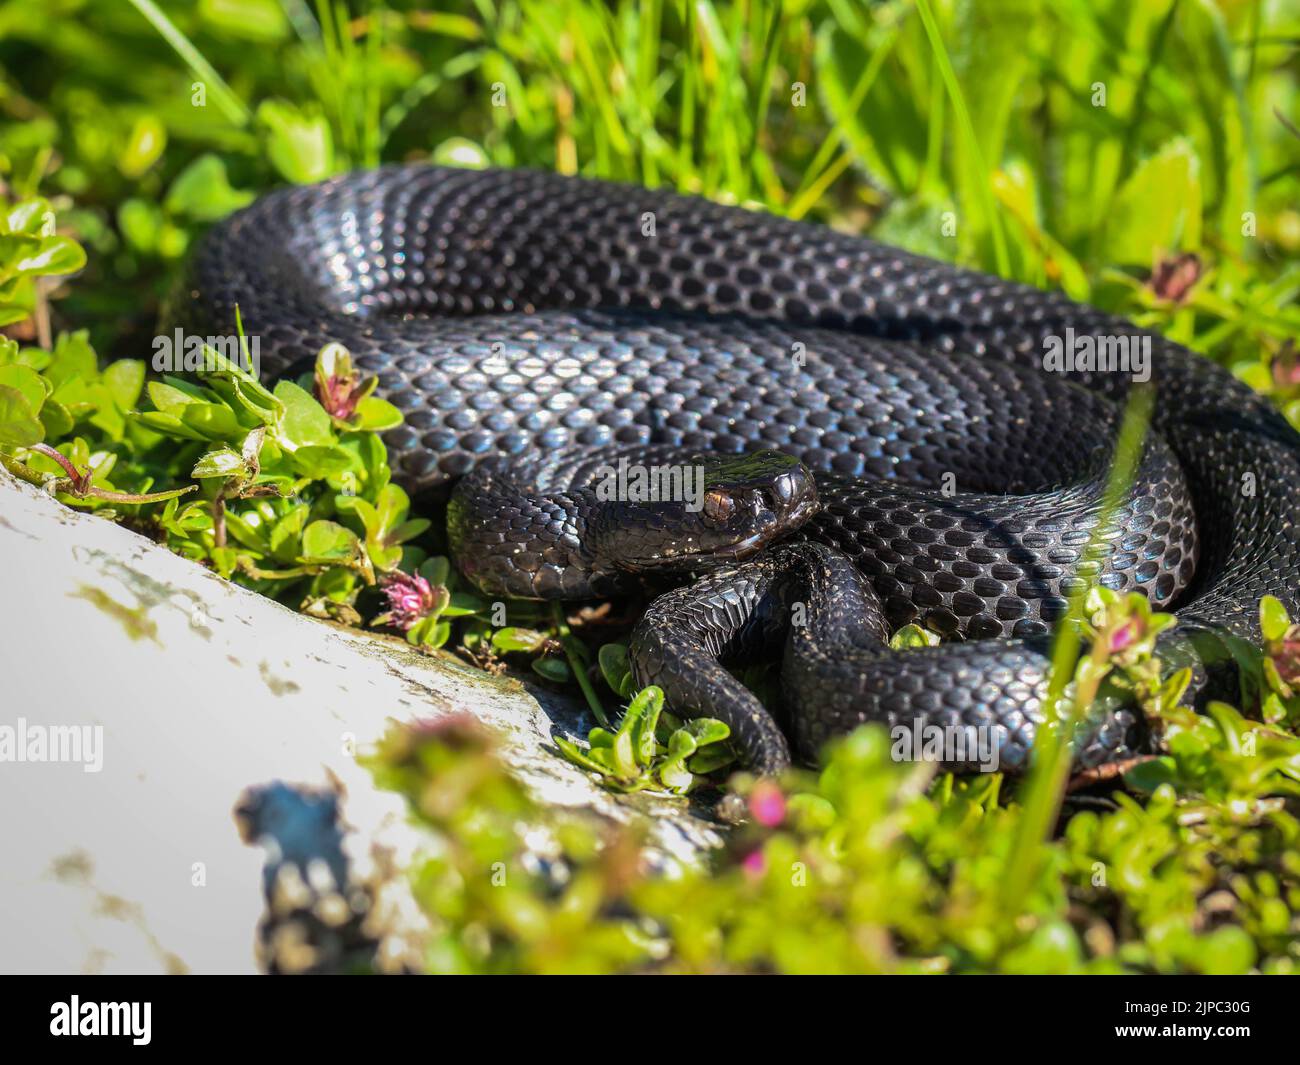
[
  {"x": 1135, "y": 120},
  {"x": 598, "y": 85},
  {"x": 814, "y": 172},
  {"x": 397, "y": 112},
  {"x": 763, "y": 85},
  {"x": 371, "y": 118},
  {"x": 980, "y": 180},
  {"x": 1045, "y": 786},
  {"x": 576, "y": 664},
  {"x": 807, "y": 199},
  {"x": 649, "y": 30},
  {"x": 224, "y": 95},
  {"x": 687, "y": 106}
]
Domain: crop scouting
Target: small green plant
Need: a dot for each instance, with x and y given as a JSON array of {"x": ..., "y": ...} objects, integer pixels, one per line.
[
  {"x": 1279, "y": 664},
  {"x": 423, "y": 604},
  {"x": 870, "y": 865},
  {"x": 652, "y": 749},
  {"x": 290, "y": 496}
]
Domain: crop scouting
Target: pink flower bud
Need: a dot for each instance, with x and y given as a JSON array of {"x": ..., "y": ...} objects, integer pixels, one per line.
[
  {"x": 1286, "y": 368},
  {"x": 1286, "y": 656},
  {"x": 1124, "y": 637},
  {"x": 410, "y": 598},
  {"x": 1173, "y": 278},
  {"x": 339, "y": 395},
  {"x": 767, "y": 804},
  {"x": 339, "y": 387}
]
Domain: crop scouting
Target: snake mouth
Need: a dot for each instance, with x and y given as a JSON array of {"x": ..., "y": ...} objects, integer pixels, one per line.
[
  {"x": 710, "y": 556},
  {"x": 765, "y": 538},
  {"x": 745, "y": 504}
]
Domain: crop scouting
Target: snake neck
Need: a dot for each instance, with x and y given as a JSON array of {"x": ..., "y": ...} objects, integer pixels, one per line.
[{"x": 529, "y": 545}]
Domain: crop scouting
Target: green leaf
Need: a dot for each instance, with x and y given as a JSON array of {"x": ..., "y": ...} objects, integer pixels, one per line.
[
  {"x": 248, "y": 534},
  {"x": 407, "y": 530},
  {"x": 327, "y": 539},
  {"x": 203, "y": 192},
  {"x": 601, "y": 737},
  {"x": 428, "y": 632},
  {"x": 223, "y": 462},
  {"x": 1175, "y": 686},
  {"x": 436, "y": 570},
  {"x": 319, "y": 463},
  {"x": 287, "y": 530},
  {"x": 391, "y": 506},
  {"x": 124, "y": 379},
  {"x": 72, "y": 358},
  {"x": 676, "y": 777},
  {"x": 1158, "y": 210},
  {"x": 706, "y": 730},
  {"x": 169, "y": 399},
  {"x": 212, "y": 421},
  {"x": 141, "y": 223},
  {"x": 304, "y": 420},
  {"x": 168, "y": 424},
  {"x": 991, "y": 55},
  {"x": 710, "y": 760},
  {"x": 363, "y": 509},
  {"x": 1273, "y": 619},
  {"x": 375, "y": 415},
  {"x": 26, "y": 381},
  {"x": 56, "y": 419},
  {"x": 19, "y": 424},
  {"x": 298, "y": 145},
  {"x": 643, "y": 714},
  {"x": 627, "y": 762},
  {"x": 241, "y": 390},
  {"x": 1228, "y": 950},
  {"x": 33, "y": 357},
  {"x": 553, "y": 669},
  {"x": 464, "y": 604},
  {"x": 27, "y": 216},
  {"x": 910, "y": 636},
  {"x": 144, "y": 146},
  {"x": 56, "y": 255},
  {"x": 1147, "y": 776},
  {"x": 516, "y": 639},
  {"x": 584, "y": 759},
  {"x": 261, "y": 21},
  {"x": 673, "y": 772},
  {"x": 811, "y": 812},
  {"x": 614, "y": 667},
  {"x": 460, "y": 152}
]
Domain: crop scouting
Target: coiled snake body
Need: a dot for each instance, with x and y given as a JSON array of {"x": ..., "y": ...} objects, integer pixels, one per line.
[{"x": 534, "y": 329}]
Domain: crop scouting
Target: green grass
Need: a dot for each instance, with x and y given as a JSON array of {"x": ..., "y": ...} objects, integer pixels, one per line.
[
  {"x": 887, "y": 120},
  {"x": 1074, "y": 145}
]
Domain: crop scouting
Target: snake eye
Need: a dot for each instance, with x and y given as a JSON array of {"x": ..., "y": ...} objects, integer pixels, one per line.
[{"x": 718, "y": 506}]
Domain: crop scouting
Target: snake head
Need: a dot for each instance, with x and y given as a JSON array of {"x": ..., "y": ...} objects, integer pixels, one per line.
[{"x": 728, "y": 508}]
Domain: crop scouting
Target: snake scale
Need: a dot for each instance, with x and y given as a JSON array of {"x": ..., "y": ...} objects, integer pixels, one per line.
[{"x": 883, "y": 418}]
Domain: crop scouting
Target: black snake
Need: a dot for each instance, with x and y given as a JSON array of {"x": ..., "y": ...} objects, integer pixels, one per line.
[{"x": 535, "y": 329}]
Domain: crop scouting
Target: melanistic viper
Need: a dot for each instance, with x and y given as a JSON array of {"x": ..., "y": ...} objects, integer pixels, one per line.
[{"x": 884, "y": 417}]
